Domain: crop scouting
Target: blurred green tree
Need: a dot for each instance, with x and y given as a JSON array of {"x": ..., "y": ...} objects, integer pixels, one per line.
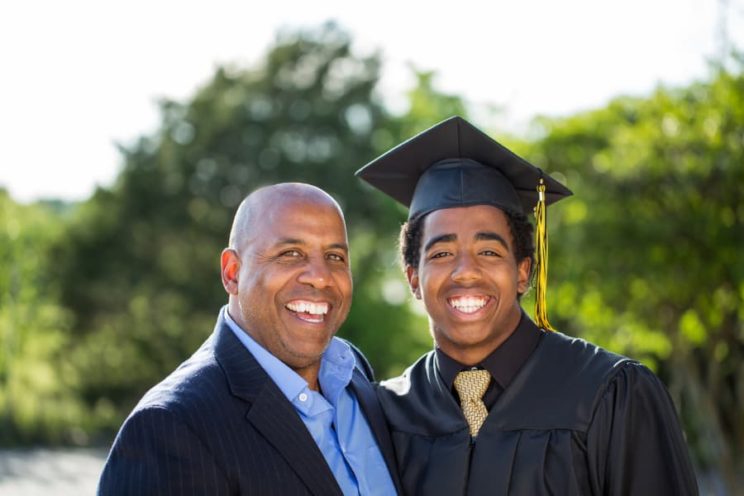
[
  {"x": 647, "y": 257},
  {"x": 37, "y": 392},
  {"x": 139, "y": 267}
]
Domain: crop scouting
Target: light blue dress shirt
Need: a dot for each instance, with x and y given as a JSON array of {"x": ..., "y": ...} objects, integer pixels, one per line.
[{"x": 335, "y": 419}]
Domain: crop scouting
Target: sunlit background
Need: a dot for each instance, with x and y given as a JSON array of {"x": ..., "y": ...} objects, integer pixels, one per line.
[
  {"x": 130, "y": 131},
  {"x": 79, "y": 76}
]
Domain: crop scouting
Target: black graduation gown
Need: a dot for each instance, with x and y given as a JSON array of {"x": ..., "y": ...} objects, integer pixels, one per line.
[{"x": 575, "y": 420}]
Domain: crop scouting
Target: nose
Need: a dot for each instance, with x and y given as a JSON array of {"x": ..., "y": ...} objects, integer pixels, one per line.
[
  {"x": 466, "y": 270},
  {"x": 316, "y": 273}
]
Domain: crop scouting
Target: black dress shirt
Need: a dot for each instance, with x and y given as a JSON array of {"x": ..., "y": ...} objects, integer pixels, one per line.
[{"x": 503, "y": 363}]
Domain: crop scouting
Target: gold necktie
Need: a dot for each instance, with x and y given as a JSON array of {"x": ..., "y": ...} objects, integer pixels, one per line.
[{"x": 471, "y": 385}]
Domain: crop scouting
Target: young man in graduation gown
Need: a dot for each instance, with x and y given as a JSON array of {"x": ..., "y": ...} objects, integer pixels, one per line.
[{"x": 504, "y": 405}]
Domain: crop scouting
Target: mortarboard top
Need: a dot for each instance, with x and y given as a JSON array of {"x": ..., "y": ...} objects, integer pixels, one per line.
[{"x": 454, "y": 164}]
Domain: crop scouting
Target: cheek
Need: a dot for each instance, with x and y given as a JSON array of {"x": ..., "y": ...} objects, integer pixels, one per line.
[
  {"x": 508, "y": 273},
  {"x": 429, "y": 283},
  {"x": 346, "y": 288},
  {"x": 345, "y": 280},
  {"x": 260, "y": 283}
]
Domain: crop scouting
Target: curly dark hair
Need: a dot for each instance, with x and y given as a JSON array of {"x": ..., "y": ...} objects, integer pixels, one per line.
[{"x": 521, "y": 229}]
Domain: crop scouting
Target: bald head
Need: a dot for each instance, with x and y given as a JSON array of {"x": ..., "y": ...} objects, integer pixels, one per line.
[
  {"x": 287, "y": 273},
  {"x": 255, "y": 206}
]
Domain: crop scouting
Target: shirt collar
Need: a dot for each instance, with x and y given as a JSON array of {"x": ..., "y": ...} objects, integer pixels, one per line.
[
  {"x": 504, "y": 362},
  {"x": 336, "y": 365},
  {"x": 336, "y": 368}
]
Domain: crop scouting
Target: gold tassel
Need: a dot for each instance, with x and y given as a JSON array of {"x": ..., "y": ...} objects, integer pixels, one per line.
[{"x": 541, "y": 247}]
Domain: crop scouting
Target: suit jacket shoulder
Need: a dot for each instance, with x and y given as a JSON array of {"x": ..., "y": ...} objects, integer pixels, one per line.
[{"x": 216, "y": 425}]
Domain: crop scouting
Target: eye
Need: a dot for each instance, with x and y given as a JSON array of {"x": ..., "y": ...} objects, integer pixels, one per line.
[
  {"x": 290, "y": 254},
  {"x": 490, "y": 253},
  {"x": 439, "y": 254},
  {"x": 335, "y": 257}
]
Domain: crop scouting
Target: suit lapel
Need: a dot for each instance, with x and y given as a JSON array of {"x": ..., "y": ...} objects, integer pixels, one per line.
[
  {"x": 272, "y": 414},
  {"x": 275, "y": 417},
  {"x": 367, "y": 398}
]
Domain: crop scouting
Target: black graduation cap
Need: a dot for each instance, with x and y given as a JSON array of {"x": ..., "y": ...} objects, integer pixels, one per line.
[{"x": 454, "y": 164}]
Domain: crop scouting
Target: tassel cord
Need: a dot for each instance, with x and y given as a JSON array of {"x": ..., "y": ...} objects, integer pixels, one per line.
[{"x": 541, "y": 248}]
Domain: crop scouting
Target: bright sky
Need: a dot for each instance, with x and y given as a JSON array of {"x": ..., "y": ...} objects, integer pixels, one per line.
[{"x": 78, "y": 76}]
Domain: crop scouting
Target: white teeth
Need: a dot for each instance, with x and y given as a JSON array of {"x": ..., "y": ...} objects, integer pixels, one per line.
[
  {"x": 468, "y": 304},
  {"x": 301, "y": 306}
]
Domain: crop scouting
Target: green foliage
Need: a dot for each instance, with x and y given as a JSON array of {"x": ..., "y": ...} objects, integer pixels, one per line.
[
  {"x": 37, "y": 393},
  {"x": 646, "y": 258},
  {"x": 99, "y": 302},
  {"x": 140, "y": 266}
]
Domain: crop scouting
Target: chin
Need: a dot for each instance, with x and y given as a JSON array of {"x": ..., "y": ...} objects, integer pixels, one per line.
[
  {"x": 308, "y": 351},
  {"x": 471, "y": 342},
  {"x": 300, "y": 359},
  {"x": 463, "y": 338}
]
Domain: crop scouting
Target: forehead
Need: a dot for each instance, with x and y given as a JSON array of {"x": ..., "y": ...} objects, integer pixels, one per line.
[
  {"x": 466, "y": 222},
  {"x": 298, "y": 219}
]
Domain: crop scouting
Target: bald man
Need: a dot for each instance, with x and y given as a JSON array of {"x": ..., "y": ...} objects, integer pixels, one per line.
[{"x": 272, "y": 403}]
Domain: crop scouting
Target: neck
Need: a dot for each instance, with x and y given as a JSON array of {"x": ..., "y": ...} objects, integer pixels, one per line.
[
  {"x": 470, "y": 354},
  {"x": 310, "y": 374},
  {"x": 466, "y": 356}
]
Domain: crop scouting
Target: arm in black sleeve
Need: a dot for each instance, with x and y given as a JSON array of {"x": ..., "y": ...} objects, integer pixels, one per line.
[
  {"x": 635, "y": 442},
  {"x": 157, "y": 453}
]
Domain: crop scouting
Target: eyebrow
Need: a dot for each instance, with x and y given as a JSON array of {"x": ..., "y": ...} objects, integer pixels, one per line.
[
  {"x": 293, "y": 241},
  {"x": 289, "y": 241},
  {"x": 491, "y": 236},
  {"x": 339, "y": 246},
  {"x": 480, "y": 236},
  {"x": 442, "y": 238}
]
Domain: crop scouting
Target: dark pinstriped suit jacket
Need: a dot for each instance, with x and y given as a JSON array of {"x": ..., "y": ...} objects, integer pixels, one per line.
[{"x": 219, "y": 425}]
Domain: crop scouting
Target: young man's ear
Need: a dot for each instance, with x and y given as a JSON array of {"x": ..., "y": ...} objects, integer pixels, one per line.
[
  {"x": 413, "y": 281},
  {"x": 230, "y": 266},
  {"x": 524, "y": 268}
]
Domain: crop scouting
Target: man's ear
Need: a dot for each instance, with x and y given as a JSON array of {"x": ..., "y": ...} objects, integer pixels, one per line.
[
  {"x": 413, "y": 281},
  {"x": 230, "y": 266},
  {"x": 523, "y": 275}
]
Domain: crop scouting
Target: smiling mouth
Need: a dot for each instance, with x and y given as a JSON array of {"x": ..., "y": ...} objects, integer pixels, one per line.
[
  {"x": 308, "y": 311},
  {"x": 468, "y": 304}
]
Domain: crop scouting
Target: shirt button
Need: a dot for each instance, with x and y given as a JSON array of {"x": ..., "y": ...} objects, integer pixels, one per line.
[{"x": 303, "y": 397}]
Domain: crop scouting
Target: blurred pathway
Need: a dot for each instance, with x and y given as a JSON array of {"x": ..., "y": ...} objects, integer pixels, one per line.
[
  {"x": 75, "y": 472},
  {"x": 46, "y": 472}
]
